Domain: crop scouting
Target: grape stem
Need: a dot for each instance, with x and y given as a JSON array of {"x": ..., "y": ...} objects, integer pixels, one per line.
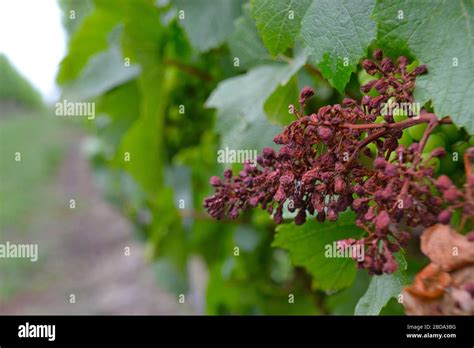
[
  {"x": 432, "y": 124},
  {"x": 386, "y": 128},
  {"x": 425, "y": 118},
  {"x": 191, "y": 70}
]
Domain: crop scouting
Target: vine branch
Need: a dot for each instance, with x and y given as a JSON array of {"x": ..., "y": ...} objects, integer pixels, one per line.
[{"x": 191, "y": 70}]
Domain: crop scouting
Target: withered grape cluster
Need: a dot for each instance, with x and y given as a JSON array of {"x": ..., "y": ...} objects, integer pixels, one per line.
[{"x": 317, "y": 170}]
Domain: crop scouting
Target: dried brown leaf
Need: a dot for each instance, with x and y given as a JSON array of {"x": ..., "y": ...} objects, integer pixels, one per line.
[{"x": 447, "y": 248}]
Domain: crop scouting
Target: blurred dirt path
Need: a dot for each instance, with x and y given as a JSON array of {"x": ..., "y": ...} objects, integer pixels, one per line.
[{"x": 83, "y": 254}]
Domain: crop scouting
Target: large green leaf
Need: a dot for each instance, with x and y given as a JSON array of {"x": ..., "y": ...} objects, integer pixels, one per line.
[
  {"x": 307, "y": 246},
  {"x": 344, "y": 302},
  {"x": 278, "y": 21},
  {"x": 91, "y": 37},
  {"x": 277, "y": 107},
  {"x": 168, "y": 241},
  {"x": 103, "y": 72},
  {"x": 143, "y": 40},
  {"x": 208, "y": 22},
  {"x": 81, "y": 8},
  {"x": 381, "y": 289},
  {"x": 122, "y": 106},
  {"x": 143, "y": 141},
  {"x": 338, "y": 34},
  {"x": 441, "y": 35},
  {"x": 240, "y": 100},
  {"x": 245, "y": 44}
]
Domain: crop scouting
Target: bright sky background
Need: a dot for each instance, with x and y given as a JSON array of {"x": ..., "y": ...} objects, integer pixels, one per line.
[{"x": 33, "y": 39}]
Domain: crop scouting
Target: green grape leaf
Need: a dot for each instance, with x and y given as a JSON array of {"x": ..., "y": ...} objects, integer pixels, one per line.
[
  {"x": 240, "y": 101},
  {"x": 344, "y": 301},
  {"x": 90, "y": 38},
  {"x": 103, "y": 71},
  {"x": 142, "y": 38},
  {"x": 278, "y": 21},
  {"x": 337, "y": 34},
  {"x": 440, "y": 34},
  {"x": 81, "y": 10},
  {"x": 141, "y": 143},
  {"x": 245, "y": 44},
  {"x": 137, "y": 153},
  {"x": 308, "y": 243},
  {"x": 382, "y": 288},
  {"x": 207, "y": 23},
  {"x": 167, "y": 240},
  {"x": 144, "y": 33},
  {"x": 277, "y": 106},
  {"x": 122, "y": 107}
]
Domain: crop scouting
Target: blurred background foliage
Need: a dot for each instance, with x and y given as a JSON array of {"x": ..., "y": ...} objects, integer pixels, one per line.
[
  {"x": 154, "y": 109},
  {"x": 15, "y": 90},
  {"x": 27, "y": 134}
]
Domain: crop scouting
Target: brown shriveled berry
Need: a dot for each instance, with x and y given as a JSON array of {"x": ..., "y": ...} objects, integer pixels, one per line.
[
  {"x": 444, "y": 217},
  {"x": 306, "y": 93}
]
